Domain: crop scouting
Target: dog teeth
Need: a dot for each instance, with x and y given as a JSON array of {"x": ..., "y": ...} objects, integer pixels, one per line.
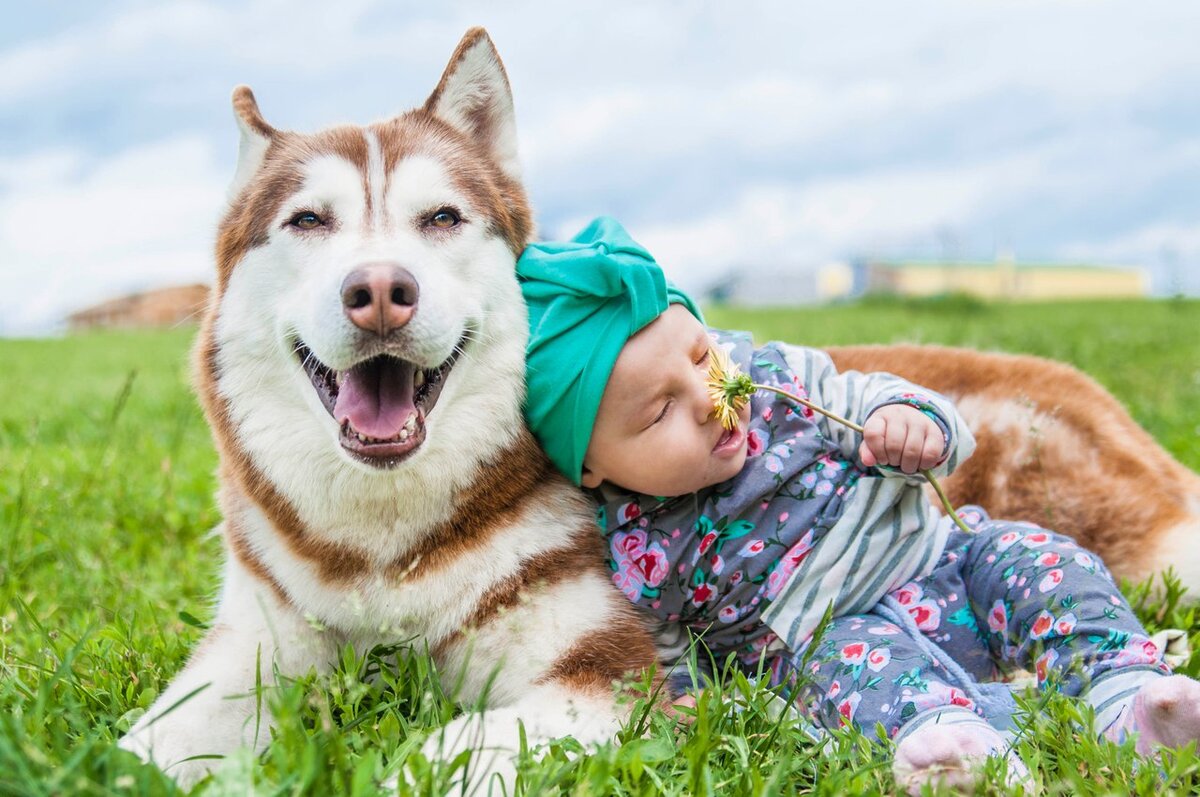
[
  {"x": 419, "y": 378},
  {"x": 403, "y": 435}
]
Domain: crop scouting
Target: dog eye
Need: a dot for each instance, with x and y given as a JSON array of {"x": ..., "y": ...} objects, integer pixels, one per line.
[
  {"x": 444, "y": 219},
  {"x": 306, "y": 220}
]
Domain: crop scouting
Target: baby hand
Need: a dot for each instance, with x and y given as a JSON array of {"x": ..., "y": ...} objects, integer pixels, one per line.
[{"x": 902, "y": 437}]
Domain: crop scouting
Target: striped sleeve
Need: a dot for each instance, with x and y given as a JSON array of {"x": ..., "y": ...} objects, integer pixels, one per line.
[{"x": 855, "y": 395}]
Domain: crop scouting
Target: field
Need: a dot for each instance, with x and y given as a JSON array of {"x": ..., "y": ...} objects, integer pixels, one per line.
[{"x": 107, "y": 571}]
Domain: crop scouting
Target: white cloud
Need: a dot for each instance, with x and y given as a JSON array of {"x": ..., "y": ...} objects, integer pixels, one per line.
[
  {"x": 143, "y": 217},
  {"x": 811, "y": 223},
  {"x": 720, "y": 134}
]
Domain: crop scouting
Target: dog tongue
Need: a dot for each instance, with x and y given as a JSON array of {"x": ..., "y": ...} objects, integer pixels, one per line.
[{"x": 377, "y": 397}]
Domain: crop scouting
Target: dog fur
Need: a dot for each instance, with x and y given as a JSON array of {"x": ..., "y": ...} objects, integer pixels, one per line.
[
  {"x": 1055, "y": 448},
  {"x": 469, "y": 542}
]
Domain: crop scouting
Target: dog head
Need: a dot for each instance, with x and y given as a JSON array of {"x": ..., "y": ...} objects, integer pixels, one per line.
[{"x": 364, "y": 273}]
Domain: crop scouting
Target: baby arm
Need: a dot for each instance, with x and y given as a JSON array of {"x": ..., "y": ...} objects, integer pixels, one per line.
[{"x": 886, "y": 406}]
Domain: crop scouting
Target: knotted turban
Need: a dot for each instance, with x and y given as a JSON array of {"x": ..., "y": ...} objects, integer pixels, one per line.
[{"x": 586, "y": 298}]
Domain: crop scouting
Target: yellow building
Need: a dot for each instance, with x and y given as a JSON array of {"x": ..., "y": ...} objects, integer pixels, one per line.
[{"x": 1001, "y": 279}]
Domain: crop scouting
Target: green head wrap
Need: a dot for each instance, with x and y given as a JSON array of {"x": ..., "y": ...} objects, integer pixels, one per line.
[{"x": 586, "y": 298}]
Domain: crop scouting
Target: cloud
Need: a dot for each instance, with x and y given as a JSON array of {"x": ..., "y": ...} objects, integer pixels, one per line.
[
  {"x": 142, "y": 217},
  {"x": 720, "y": 135}
]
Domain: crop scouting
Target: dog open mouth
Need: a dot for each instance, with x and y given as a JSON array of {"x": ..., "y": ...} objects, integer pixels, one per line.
[{"x": 380, "y": 404}]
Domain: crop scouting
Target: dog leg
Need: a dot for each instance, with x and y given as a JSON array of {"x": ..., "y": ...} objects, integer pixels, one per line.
[
  {"x": 213, "y": 706},
  {"x": 549, "y": 712}
]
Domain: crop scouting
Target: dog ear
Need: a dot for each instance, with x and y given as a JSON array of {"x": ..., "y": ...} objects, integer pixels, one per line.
[
  {"x": 474, "y": 96},
  {"x": 257, "y": 136}
]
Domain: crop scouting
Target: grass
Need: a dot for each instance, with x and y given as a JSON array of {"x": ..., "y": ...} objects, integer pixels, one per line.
[{"x": 106, "y": 483}]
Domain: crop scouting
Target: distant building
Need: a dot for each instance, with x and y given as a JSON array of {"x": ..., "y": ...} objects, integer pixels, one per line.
[
  {"x": 162, "y": 307},
  {"x": 1000, "y": 279},
  {"x": 754, "y": 286}
]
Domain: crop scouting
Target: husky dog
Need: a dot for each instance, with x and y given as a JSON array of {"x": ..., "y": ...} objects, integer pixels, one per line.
[{"x": 362, "y": 368}]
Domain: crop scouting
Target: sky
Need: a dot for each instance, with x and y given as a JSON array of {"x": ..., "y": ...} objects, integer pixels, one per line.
[{"x": 757, "y": 135}]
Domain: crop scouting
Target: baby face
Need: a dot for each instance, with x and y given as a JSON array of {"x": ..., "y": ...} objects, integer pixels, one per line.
[{"x": 655, "y": 432}]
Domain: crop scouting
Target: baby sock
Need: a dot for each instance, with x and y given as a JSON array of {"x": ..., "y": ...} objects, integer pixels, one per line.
[
  {"x": 1163, "y": 710},
  {"x": 949, "y": 746}
]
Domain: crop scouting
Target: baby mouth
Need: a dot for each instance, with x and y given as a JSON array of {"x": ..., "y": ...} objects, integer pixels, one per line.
[{"x": 729, "y": 440}]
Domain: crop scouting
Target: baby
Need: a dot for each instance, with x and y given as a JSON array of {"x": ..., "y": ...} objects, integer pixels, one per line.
[{"x": 748, "y": 535}]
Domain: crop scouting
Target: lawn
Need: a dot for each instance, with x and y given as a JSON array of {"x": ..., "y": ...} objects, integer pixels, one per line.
[{"x": 107, "y": 572}]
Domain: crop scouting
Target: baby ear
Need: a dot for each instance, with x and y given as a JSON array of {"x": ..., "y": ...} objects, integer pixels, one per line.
[
  {"x": 256, "y": 138},
  {"x": 474, "y": 97},
  {"x": 590, "y": 479}
]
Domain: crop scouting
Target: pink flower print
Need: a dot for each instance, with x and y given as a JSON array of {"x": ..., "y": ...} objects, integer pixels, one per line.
[
  {"x": 926, "y": 615},
  {"x": 653, "y": 564},
  {"x": 1085, "y": 560},
  {"x": 718, "y": 565},
  {"x": 854, "y": 654},
  {"x": 736, "y": 578},
  {"x": 878, "y": 658},
  {"x": 767, "y": 413},
  {"x": 1035, "y": 540},
  {"x": 754, "y": 443},
  {"x": 829, "y": 463},
  {"x": 752, "y": 549},
  {"x": 887, "y": 629},
  {"x": 772, "y": 464},
  {"x": 783, "y": 516},
  {"x": 1043, "y": 625},
  {"x": 1006, "y": 540},
  {"x": 628, "y": 549},
  {"x": 998, "y": 617},
  {"x": 1065, "y": 624},
  {"x": 627, "y": 512},
  {"x": 1042, "y": 665},
  {"x": 835, "y": 688},
  {"x": 824, "y": 488},
  {"x": 1051, "y": 580},
  {"x": 1049, "y": 559},
  {"x": 728, "y": 614},
  {"x": 808, "y": 480},
  {"x": 909, "y": 594},
  {"x": 707, "y": 541},
  {"x": 938, "y": 695},
  {"x": 1137, "y": 651},
  {"x": 702, "y": 595},
  {"x": 783, "y": 569},
  {"x": 848, "y": 706},
  {"x": 628, "y": 583}
]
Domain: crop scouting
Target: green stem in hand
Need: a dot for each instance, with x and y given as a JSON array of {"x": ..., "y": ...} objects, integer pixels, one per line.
[{"x": 928, "y": 474}]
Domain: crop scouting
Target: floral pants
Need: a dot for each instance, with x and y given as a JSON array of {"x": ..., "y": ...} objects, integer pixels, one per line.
[{"x": 1010, "y": 596}]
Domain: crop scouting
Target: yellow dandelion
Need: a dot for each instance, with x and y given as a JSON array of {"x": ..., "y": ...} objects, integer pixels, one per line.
[{"x": 728, "y": 388}]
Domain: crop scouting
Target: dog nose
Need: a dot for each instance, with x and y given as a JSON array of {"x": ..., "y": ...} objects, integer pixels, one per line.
[{"x": 379, "y": 297}]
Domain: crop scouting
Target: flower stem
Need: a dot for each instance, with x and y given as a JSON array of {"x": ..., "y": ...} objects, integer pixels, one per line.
[{"x": 928, "y": 474}]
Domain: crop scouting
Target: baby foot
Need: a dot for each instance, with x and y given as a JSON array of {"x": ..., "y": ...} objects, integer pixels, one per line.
[
  {"x": 1163, "y": 713},
  {"x": 951, "y": 755}
]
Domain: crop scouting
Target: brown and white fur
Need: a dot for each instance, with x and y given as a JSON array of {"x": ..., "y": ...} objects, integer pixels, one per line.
[
  {"x": 1055, "y": 448},
  {"x": 461, "y": 536}
]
